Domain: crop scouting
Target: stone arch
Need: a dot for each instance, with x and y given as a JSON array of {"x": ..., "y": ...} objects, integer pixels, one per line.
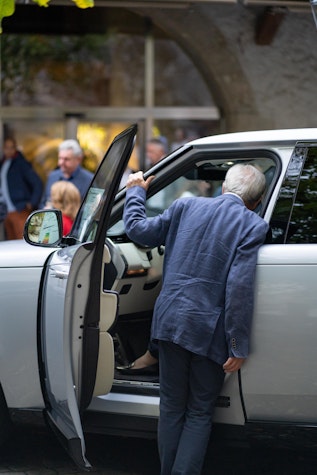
[{"x": 202, "y": 41}]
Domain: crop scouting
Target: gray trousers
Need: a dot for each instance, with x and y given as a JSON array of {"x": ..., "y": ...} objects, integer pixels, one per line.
[{"x": 189, "y": 387}]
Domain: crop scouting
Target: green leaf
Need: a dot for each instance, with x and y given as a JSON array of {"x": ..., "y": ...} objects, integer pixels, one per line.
[
  {"x": 42, "y": 3},
  {"x": 84, "y": 3},
  {"x": 6, "y": 9}
]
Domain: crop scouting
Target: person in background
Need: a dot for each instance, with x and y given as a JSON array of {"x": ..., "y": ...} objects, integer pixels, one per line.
[
  {"x": 3, "y": 214},
  {"x": 70, "y": 157},
  {"x": 182, "y": 136},
  {"x": 156, "y": 149},
  {"x": 21, "y": 188},
  {"x": 202, "y": 316},
  {"x": 66, "y": 197}
]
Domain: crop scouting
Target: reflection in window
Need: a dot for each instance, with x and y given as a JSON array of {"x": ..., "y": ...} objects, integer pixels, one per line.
[
  {"x": 180, "y": 188},
  {"x": 204, "y": 179},
  {"x": 303, "y": 223},
  {"x": 280, "y": 219},
  {"x": 295, "y": 215}
]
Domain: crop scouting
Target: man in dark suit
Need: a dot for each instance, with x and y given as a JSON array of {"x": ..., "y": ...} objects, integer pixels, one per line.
[
  {"x": 202, "y": 317},
  {"x": 21, "y": 188}
]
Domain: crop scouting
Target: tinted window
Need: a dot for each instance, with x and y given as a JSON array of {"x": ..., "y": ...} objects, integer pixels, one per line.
[
  {"x": 295, "y": 215},
  {"x": 303, "y": 223}
]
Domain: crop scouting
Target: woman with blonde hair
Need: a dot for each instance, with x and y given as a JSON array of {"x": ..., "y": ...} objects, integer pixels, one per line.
[{"x": 66, "y": 197}]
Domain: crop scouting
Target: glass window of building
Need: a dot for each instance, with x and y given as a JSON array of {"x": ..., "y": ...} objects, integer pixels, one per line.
[{"x": 92, "y": 86}]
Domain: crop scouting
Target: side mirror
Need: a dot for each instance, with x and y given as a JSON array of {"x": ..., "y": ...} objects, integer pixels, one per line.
[{"x": 44, "y": 228}]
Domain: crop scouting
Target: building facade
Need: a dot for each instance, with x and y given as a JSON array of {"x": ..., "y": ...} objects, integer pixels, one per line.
[{"x": 196, "y": 67}]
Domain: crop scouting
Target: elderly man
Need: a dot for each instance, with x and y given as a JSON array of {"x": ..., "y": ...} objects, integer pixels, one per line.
[
  {"x": 202, "y": 317},
  {"x": 70, "y": 156}
]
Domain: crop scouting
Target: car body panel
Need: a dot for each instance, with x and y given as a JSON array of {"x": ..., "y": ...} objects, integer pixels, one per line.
[
  {"x": 94, "y": 295},
  {"x": 255, "y": 138},
  {"x": 126, "y": 404},
  {"x": 279, "y": 379},
  {"x": 21, "y": 269},
  {"x": 16, "y": 254}
]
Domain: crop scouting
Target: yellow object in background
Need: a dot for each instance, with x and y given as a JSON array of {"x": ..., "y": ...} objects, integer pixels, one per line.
[
  {"x": 42, "y": 3},
  {"x": 84, "y": 3},
  {"x": 6, "y": 9}
]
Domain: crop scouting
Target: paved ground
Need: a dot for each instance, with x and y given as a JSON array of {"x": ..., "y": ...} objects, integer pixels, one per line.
[{"x": 37, "y": 452}]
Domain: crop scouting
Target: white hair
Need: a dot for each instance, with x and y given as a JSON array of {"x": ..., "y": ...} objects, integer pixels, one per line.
[
  {"x": 73, "y": 145},
  {"x": 246, "y": 181}
]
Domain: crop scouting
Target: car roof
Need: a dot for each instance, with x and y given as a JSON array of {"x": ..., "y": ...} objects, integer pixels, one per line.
[{"x": 260, "y": 137}]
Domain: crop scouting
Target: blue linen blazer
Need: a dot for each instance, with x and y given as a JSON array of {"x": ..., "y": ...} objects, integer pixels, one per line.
[{"x": 206, "y": 301}]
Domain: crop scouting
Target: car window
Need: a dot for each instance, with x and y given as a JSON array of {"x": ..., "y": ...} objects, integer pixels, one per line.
[
  {"x": 102, "y": 188},
  {"x": 294, "y": 220},
  {"x": 204, "y": 177},
  {"x": 182, "y": 187}
]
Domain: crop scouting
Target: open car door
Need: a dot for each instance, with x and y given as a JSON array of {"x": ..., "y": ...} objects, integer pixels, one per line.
[{"x": 75, "y": 346}]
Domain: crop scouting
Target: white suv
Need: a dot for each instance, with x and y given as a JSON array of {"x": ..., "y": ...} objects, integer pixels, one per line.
[{"x": 73, "y": 308}]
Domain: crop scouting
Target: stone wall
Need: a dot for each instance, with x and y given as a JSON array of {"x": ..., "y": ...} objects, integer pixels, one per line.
[{"x": 255, "y": 86}]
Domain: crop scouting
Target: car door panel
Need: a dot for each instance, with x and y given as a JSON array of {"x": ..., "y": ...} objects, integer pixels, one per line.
[
  {"x": 108, "y": 312},
  {"x": 229, "y": 409},
  {"x": 73, "y": 299},
  {"x": 278, "y": 379},
  {"x": 139, "y": 281},
  {"x": 66, "y": 293}
]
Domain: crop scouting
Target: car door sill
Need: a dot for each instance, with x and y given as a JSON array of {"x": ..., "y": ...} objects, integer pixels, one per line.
[{"x": 147, "y": 388}]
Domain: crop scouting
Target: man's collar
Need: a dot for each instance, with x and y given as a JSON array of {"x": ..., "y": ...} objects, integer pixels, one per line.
[
  {"x": 234, "y": 194},
  {"x": 73, "y": 175}
]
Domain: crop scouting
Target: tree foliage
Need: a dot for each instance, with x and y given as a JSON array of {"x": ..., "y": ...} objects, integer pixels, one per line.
[
  {"x": 67, "y": 62},
  {"x": 7, "y": 7}
]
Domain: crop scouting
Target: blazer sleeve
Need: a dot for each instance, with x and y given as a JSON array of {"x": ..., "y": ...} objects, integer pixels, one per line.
[
  {"x": 149, "y": 232},
  {"x": 240, "y": 286}
]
